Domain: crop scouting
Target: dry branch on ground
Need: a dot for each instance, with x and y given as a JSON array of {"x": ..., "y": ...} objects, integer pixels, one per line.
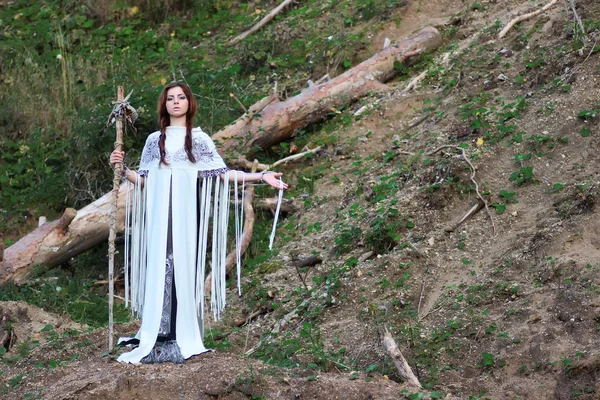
[
  {"x": 399, "y": 361},
  {"x": 261, "y": 23},
  {"x": 525, "y": 17}
]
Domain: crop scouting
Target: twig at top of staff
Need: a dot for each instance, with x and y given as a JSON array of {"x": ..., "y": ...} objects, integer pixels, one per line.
[{"x": 123, "y": 109}]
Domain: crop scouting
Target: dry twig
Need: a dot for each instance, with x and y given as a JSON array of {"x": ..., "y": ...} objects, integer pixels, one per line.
[
  {"x": 417, "y": 122},
  {"x": 525, "y": 17},
  {"x": 465, "y": 217},
  {"x": 244, "y": 163},
  {"x": 287, "y": 205},
  {"x": 366, "y": 256},
  {"x": 420, "y": 298},
  {"x": 295, "y": 157},
  {"x": 256, "y": 313},
  {"x": 260, "y": 24},
  {"x": 422, "y": 317},
  {"x": 473, "y": 171},
  {"x": 413, "y": 84},
  {"x": 571, "y": 4},
  {"x": 401, "y": 364},
  {"x": 306, "y": 262},
  {"x": 576, "y": 68},
  {"x": 233, "y": 96}
]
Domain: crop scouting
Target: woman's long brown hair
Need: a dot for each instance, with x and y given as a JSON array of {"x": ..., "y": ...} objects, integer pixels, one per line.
[{"x": 164, "y": 120}]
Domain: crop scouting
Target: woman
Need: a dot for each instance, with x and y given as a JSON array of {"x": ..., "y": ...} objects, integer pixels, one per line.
[{"x": 181, "y": 192}]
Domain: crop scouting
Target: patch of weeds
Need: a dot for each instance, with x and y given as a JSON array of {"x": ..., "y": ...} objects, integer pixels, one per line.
[
  {"x": 588, "y": 115},
  {"x": 403, "y": 279},
  {"x": 489, "y": 361},
  {"x": 462, "y": 242},
  {"x": 583, "y": 391},
  {"x": 347, "y": 238},
  {"x": 33, "y": 395},
  {"x": 578, "y": 199},
  {"x": 386, "y": 189},
  {"x": 12, "y": 383},
  {"x": 537, "y": 142},
  {"x": 523, "y": 175},
  {"x": 24, "y": 347},
  {"x": 385, "y": 227},
  {"x": 556, "y": 188},
  {"x": 508, "y": 263},
  {"x": 430, "y": 349},
  {"x": 491, "y": 122},
  {"x": 306, "y": 180},
  {"x": 507, "y": 198},
  {"x": 585, "y": 132},
  {"x": 304, "y": 348},
  {"x": 507, "y": 289},
  {"x": 251, "y": 384},
  {"x": 216, "y": 339}
]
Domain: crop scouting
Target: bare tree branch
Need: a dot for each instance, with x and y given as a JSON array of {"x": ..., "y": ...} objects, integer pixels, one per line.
[
  {"x": 525, "y": 17},
  {"x": 260, "y": 24}
]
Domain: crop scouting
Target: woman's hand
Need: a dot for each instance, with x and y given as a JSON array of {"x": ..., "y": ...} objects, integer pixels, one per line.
[
  {"x": 272, "y": 178},
  {"x": 116, "y": 157}
]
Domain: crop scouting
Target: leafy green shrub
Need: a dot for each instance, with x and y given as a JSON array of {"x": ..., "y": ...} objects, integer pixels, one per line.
[
  {"x": 507, "y": 198},
  {"x": 523, "y": 175},
  {"x": 384, "y": 233}
]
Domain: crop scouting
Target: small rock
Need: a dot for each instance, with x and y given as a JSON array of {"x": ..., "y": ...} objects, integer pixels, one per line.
[
  {"x": 547, "y": 26},
  {"x": 431, "y": 241}
]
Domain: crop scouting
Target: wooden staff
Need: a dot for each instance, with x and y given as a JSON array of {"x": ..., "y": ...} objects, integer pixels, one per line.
[{"x": 113, "y": 223}]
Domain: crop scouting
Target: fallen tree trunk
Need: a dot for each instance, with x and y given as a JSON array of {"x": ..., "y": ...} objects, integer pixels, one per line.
[
  {"x": 56, "y": 242},
  {"x": 268, "y": 122},
  {"x": 279, "y": 120}
]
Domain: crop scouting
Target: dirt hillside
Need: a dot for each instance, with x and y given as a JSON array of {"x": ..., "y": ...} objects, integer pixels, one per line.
[{"x": 504, "y": 306}]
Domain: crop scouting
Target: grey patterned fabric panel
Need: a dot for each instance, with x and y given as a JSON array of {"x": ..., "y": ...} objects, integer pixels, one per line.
[{"x": 165, "y": 320}]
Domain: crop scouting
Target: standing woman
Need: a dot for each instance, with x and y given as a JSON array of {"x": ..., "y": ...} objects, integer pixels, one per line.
[{"x": 180, "y": 200}]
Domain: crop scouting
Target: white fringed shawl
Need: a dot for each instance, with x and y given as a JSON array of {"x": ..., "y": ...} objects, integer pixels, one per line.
[{"x": 200, "y": 202}]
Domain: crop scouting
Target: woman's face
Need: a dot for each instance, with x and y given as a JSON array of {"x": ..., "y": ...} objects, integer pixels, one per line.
[{"x": 177, "y": 102}]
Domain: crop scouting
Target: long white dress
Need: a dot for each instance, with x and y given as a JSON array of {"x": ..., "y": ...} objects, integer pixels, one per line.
[{"x": 191, "y": 199}]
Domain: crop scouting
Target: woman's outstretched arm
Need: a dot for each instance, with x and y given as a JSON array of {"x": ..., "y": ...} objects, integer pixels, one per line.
[{"x": 268, "y": 177}]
